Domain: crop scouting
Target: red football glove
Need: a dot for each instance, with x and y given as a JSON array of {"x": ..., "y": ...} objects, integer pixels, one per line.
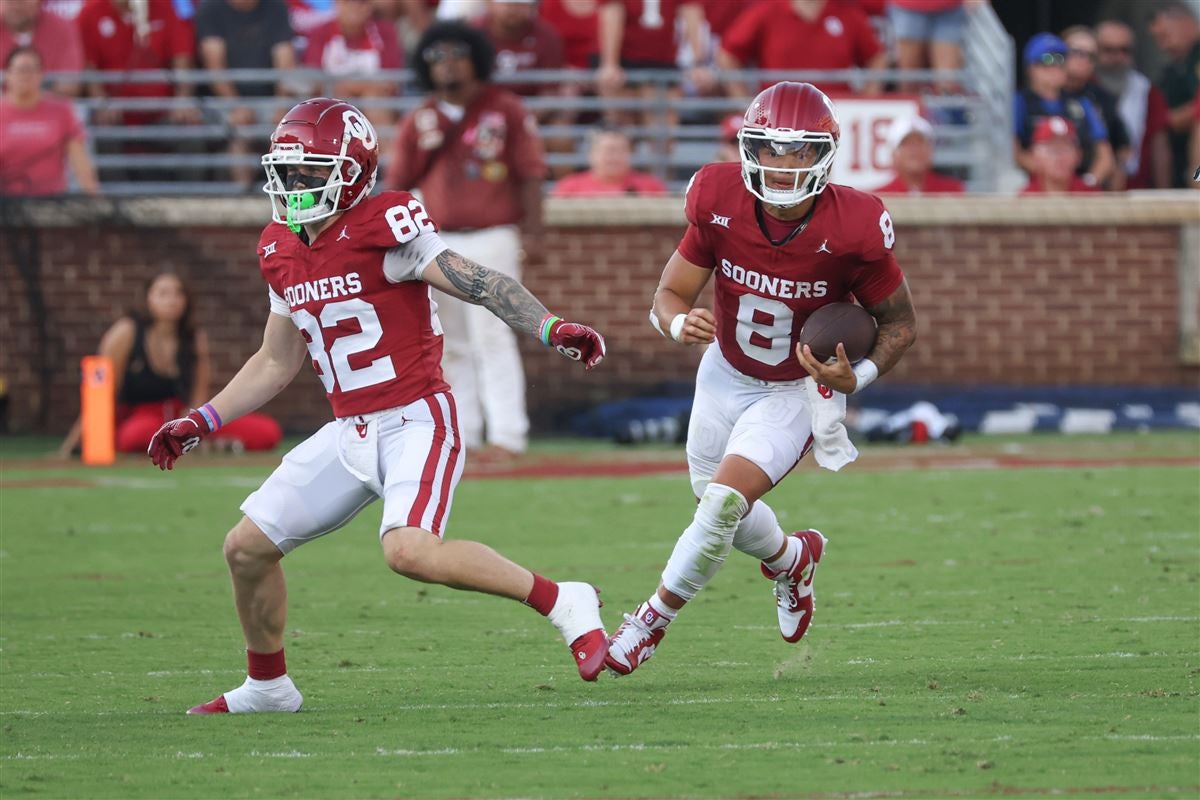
[
  {"x": 576, "y": 342},
  {"x": 177, "y": 437}
]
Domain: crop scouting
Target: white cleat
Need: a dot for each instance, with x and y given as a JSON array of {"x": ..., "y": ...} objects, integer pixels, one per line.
[{"x": 576, "y": 615}]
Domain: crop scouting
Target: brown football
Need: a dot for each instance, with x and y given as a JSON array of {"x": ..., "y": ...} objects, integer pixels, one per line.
[{"x": 847, "y": 323}]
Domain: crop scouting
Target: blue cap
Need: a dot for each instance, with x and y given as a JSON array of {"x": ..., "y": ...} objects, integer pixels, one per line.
[{"x": 1042, "y": 44}]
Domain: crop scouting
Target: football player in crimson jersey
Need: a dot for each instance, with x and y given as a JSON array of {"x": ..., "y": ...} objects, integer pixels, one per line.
[
  {"x": 349, "y": 280},
  {"x": 779, "y": 241}
]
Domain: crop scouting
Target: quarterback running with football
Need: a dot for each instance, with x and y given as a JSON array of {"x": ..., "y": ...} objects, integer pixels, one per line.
[
  {"x": 782, "y": 242},
  {"x": 349, "y": 278}
]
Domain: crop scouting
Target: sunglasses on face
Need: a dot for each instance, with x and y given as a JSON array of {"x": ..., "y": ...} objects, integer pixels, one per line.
[
  {"x": 1117, "y": 50},
  {"x": 445, "y": 51},
  {"x": 1088, "y": 54},
  {"x": 1051, "y": 60}
]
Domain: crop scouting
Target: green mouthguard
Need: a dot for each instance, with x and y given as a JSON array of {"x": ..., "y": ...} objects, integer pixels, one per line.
[{"x": 298, "y": 202}]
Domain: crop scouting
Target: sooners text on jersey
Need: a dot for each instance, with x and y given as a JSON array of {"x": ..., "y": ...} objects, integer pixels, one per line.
[
  {"x": 371, "y": 329},
  {"x": 764, "y": 292}
]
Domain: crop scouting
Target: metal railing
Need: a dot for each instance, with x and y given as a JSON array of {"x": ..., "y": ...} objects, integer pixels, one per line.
[
  {"x": 971, "y": 127},
  {"x": 990, "y": 55}
]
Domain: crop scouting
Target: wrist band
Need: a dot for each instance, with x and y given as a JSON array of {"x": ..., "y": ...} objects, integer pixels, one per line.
[
  {"x": 210, "y": 416},
  {"x": 866, "y": 371},
  {"x": 677, "y": 326},
  {"x": 547, "y": 323}
]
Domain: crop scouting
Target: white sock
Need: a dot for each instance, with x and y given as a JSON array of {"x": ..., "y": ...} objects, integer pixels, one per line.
[
  {"x": 665, "y": 613},
  {"x": 789, "y": 559},
  {"x": 702, "y": 548},
  {"x": 276, "y": 694},
  {"x": 758, "y": 535}
]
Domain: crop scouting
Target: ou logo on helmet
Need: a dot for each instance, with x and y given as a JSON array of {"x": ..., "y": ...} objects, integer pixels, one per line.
[{"x": 359, "y": 127}]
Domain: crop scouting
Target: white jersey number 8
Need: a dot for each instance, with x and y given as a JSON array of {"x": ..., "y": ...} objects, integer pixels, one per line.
[
  {"x": 771, "y": 320},
  {"x": 336, "y": 363},
  {"x": 889, "y": 232}
]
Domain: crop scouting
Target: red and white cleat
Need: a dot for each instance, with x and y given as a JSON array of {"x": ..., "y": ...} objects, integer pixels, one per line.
[
  {"x": 794, "y": 589},
  {"x": 253, "y": 696},
  {"x": 635, "y": 641},
  {"x": 576, "y": 615}
]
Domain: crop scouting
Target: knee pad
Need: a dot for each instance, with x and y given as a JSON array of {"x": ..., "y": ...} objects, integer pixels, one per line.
[
  {"x": 721, "y": 507},
  {"x": 758, "y": 534},
  {"x": 705, "y": 543}
]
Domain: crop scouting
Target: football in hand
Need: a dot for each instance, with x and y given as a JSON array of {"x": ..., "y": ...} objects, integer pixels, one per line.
[{"x": 847, "y": 323}]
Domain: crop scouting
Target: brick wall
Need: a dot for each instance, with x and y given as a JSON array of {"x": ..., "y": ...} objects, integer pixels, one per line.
[{"x": 998, "y": 303}]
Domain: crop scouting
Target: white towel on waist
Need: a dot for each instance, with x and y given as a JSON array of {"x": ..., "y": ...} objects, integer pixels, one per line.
[
  {"x": 358, "y": 449},
  {"x": 831, "y": 444}
]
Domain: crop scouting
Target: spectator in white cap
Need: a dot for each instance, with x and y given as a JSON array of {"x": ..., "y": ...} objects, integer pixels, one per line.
[{"x": 911, "y": 141}]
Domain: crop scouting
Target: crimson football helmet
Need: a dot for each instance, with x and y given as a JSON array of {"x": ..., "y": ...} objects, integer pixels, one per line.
[
  {"x": 321, "y": 132},
  {"x": 788, "y": 118}
]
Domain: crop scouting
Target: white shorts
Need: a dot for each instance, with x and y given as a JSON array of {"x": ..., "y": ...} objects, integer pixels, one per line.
[
  {"x": 766, "y": 422},
  {"x": 409, "y": 456}
]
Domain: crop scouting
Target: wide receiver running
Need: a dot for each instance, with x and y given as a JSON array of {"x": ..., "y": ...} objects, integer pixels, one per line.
[
  {"x": 349, "y": 279},
  {"x": 782, "y": 242}
]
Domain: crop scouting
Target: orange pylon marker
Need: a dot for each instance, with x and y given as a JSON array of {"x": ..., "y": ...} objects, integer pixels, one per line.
[{"x": 97, "y": 398}]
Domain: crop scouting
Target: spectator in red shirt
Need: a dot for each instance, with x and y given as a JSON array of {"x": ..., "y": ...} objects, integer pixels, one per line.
[
  {"x": 610, "y": 158},
  {"x": 802, "y": 34},
  {"x": 39, "y": 133},
  {"x": 1056, "y": 156},
  {"x": 522, "y": 41},
  {"x": 353, "y": 47},
  {"x": 636, "y": 35},
  {"x": 911, "y": 143},
  {"x": 575, "y": 21},
  {"x": 24, "y": 24},
  {"x": 929, "y": 34},
  {"x": 118, "y": 36},
  {"x": 720, "y": 14},
  {"x": 245, "y": 34}
]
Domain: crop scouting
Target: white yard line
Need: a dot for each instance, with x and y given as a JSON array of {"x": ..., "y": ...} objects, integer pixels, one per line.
[
  {"x": 888, "y": 623},
  {"x": 798, "y": 697},
  {"x": 617, "y": 747}
]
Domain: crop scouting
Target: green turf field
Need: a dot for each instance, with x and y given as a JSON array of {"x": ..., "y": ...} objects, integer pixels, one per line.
[{"x": 978, "y": 632}]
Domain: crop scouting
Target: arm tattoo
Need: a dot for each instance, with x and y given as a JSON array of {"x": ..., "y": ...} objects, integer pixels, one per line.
[
  {"x": 897, "y": 328},
  {"x": 503, "y": 296}
]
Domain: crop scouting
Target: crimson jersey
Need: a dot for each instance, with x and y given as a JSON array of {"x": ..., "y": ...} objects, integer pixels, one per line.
[
  {"x": 649, "y": 33},
  {"x": 764, "y": 292},
  {"x": 357, "y": 298}
]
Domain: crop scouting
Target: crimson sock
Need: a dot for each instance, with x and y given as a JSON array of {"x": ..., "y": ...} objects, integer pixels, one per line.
[
  {"x": 542, "y": 596},
  {"x": 265, "y": 666}
]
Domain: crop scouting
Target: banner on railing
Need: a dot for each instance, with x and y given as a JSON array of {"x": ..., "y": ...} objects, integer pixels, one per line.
[{"x": 864, "y": 159}]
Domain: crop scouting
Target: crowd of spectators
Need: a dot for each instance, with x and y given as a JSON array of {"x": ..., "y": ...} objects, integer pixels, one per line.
[{"x": 1131, "y": 131}]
